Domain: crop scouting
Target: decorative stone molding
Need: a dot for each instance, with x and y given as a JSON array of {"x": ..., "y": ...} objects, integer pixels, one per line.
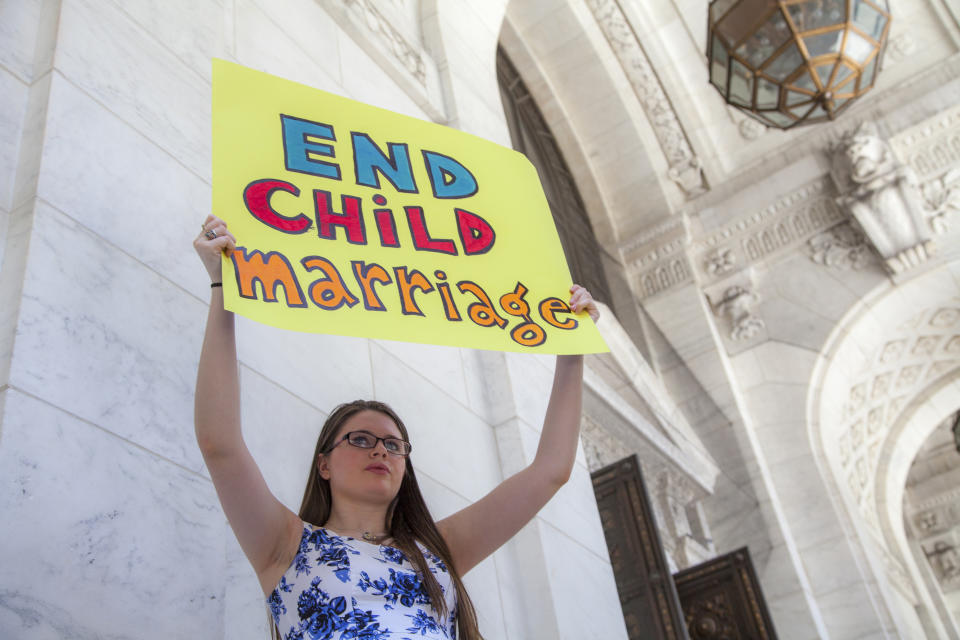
[
  {"x": 943, "y": 554},
  {"x": 670, "y": 229},
  {"x": 675, "y": 500},
  {"x": 779, "y": 227},
  {"x": 666, "y": 276},
  {"x": 883, "y": 195},
  {"x": 941, "y": 197},
  {"x": 898, "y": 577},
  {"x": 600, "y": 447},
  {"x": 948, "y": 503},
  {"x": 688, "y": 175},
  {"x": 917, "y": 353},
  {"x": 673, "y": 495},
  {"x": 720, "y": 262},
  {"x": 899, "y": 47},
  {"x": 840, "y": 247},
  {"x": 685, "y": 168},
  {"x": 662, "y": 266},
  {"x": 933, "y": 519},
  {"x": 736, "y": 307},
  {"x": 932, "y": 506},
  {"x": 398, "y": 50},
  {"x": 751, "y": 129},
  {"x": 671, "y": 256},
  {"x": 663, "y": 258},
  {"x": 380, "y": 29},
  {"x": 932, "y": 147}
]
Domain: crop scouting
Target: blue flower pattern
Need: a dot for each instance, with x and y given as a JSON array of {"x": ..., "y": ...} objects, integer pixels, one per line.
[
  {"x": 423, "y": 623},
  {"x": 392, "y": 554},
  {"x": 339, "y": 588},
  {"x": 404, "y": 586}
]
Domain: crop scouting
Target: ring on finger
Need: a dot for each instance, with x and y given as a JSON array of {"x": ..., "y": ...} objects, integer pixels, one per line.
[{"x": 211, "y": 234}]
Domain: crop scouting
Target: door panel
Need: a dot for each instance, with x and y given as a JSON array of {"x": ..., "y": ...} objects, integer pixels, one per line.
[
  {"x": 651, "y": 608},
  {"x": 722, "y": 599}
]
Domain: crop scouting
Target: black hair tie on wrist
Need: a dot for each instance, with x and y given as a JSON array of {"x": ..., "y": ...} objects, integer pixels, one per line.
[{"x": 216, "y": 284}]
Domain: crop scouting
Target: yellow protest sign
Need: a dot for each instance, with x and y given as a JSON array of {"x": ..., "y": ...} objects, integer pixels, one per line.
[{"x": 354, "y": 220}]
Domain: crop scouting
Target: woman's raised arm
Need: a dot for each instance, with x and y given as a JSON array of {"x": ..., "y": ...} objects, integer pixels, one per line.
[
  {"x": 263, "y": 525},
  {"x": 475, "y": 532}
]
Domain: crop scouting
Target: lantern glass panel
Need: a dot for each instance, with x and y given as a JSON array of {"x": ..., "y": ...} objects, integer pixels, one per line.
[
  {"x": 843, "y": 73},
  {"x": 814, "y": 14},
  {"x": 768, "y": 94},
  {"x": 718, "y": 66},
  {"x": 791, "y": 62},
  {"x": 857, "y": 48},
  {"x": 743, "y": 18},
  {"x": 741, "y": 85},
  {"x": 818, "y": 113},
  {"x": 795, "y": 98},
  {"x": 823, "y": 72},
  {"x": 762, "y": 120},
  {"x": 785, "y": 64},
  {"x": 765, "y": 40},
  {"x": 839, "y": 103},
  {"x": 781, "y": 120},
  {"x": 848, "y": 86},
  {"x": 867, "y": 78},
  {"x": 868, "y": 19},
  {"x": 718, "y": 8},
  {"x": 824, "y": 43},
  {"x": 805, "y": 82}
]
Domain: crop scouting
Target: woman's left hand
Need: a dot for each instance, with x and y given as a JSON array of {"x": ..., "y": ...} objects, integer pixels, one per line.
[{"x": 581, "y": 300}]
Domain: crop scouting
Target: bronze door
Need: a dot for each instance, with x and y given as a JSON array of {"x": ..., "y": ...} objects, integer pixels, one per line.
[
  {"x": 722, "y": 600},
  {"x": 651, "y": 608}
]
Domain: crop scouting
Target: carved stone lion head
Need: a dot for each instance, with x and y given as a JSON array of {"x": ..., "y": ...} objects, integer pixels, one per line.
[{"x": 862, "y": 155}]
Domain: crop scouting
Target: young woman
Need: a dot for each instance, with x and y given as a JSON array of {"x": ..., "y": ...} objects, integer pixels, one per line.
[{"x": 363, "y": 558}]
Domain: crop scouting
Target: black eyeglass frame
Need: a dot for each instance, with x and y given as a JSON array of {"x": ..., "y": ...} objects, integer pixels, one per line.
[{"x": 405, "y": 445}]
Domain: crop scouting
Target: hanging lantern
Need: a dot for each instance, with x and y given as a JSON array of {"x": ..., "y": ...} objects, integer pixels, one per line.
[{"x": 790, "y": 62}]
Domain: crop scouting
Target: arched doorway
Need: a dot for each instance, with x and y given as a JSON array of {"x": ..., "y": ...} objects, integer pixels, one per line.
[{"x": 887, "y": 377}]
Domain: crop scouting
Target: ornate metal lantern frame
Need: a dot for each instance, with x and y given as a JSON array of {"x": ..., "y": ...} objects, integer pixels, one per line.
[{"x": 792, "y": 62}]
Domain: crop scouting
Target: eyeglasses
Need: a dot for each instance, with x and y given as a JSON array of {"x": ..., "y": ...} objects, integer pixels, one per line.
[{"x": 366, "y": 440}]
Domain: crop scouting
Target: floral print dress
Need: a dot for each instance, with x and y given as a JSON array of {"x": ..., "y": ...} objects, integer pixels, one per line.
[{"x": 341, "y": 588}]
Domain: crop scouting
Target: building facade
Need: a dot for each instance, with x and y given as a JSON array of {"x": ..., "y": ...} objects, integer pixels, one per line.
[{"x": 783, "y": 313}]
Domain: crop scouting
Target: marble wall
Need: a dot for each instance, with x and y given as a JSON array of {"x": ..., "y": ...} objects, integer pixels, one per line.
[{"x": 111, "y": 527}]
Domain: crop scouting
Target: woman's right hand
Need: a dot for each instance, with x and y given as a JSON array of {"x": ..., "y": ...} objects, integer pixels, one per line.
[{"x": 212, "y": 242}]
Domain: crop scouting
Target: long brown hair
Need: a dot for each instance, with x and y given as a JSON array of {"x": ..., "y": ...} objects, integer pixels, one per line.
[{"x": 408, "y": 519}]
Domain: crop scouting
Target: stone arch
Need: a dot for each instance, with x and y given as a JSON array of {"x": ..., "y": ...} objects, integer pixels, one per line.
[
  {"x": 884, "y": 380},
  {"x": 939, "y": 400},
  {"x": 559, "y": 50}
]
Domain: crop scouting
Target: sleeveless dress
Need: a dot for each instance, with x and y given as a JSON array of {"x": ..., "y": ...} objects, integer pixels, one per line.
[{"x": 341, "y": 588}]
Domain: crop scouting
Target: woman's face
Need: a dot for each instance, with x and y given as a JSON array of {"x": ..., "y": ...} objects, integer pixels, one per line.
[{"x": 368, "y": 475}]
